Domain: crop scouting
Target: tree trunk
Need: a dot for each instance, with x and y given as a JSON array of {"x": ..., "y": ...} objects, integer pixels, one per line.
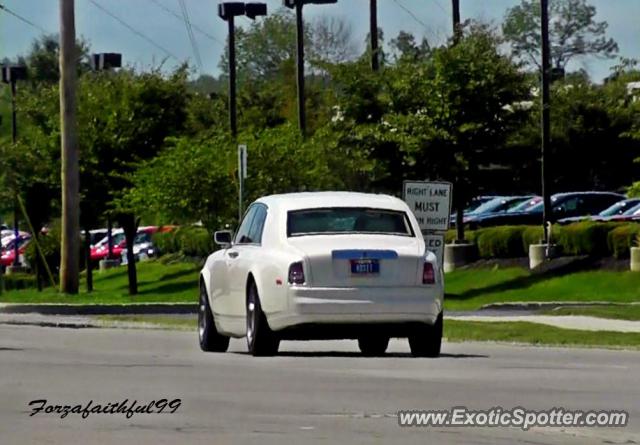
[{"x": 129, "y": 224}]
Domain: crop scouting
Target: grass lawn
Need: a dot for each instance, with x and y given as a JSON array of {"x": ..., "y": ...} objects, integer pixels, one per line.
[
  {"x": 168, "y": 321},
  {"x": 614, "y": 311},
  {"x": 472, "y": 288},
  {"x": 172, "y": 283},
  {"x": 537, "y": 334}
]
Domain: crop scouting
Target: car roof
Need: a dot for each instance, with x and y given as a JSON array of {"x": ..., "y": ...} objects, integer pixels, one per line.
[
  {"x": 307, "y": 200},
  {"x": 562, "y": 195}
]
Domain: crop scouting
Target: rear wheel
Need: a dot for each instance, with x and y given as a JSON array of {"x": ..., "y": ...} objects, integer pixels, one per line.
[
  {"x": 210, "y": 339},
  {"x": 373, "y": 346},
  {"x": 261, "y": 340},
  {"x": 426, "y": 341}
]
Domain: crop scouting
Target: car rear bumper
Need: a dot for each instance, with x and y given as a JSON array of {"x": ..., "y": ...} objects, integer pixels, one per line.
[{"x": 372, "y": 305}]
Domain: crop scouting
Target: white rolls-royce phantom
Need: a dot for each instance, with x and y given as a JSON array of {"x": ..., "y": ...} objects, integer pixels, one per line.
[{"x": 325, "y": 265}]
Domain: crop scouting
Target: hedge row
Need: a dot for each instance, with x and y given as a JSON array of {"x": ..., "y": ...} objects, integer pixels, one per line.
[
  {"x": 584, "y": 238},
  {"x": 188, "y": 240}
]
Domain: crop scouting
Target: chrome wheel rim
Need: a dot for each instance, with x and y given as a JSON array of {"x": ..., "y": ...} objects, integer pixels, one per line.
[
  {"x": 251, "y": 318},
  {"x": 201, "y": 316}
]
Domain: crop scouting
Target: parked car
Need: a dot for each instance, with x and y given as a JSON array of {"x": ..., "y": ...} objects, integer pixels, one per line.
[
  {"x": 8, "y": 253},
  {"x": 143, "y": 246},
  {"x": 563, "y": 205},
  {"x": 620, "y": 208},
  {"x": 495, "y": 206},
  {"x": 101, "y": 250},
  {"x": 324, "y": 265},
  {"x": 632, "y": 214},
  {"x": 95, "y": 236}
]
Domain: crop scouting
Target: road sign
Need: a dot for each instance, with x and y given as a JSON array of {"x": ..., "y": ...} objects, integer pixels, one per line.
[
  {"x": 242, "y": 161},
  {"x": 430, "y": 203},
  {"x": 435, "y": 244}
]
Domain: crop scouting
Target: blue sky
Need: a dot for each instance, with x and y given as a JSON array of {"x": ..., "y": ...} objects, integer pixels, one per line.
[{"x": 106, "y": 34}]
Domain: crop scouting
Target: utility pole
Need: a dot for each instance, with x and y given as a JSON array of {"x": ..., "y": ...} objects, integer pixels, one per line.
[
  {"x": 455, "y": 7},
  {"x": 546, "y": 118},
  {"x": 69, "y": 264},
  {"x": 373, "y": 32}
]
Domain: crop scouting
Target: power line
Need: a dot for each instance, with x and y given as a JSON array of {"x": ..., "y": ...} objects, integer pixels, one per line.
[
  {"x": 196, "y": 27},
  {"x": 19, "y": 17},
  {"x": 442, "y": 8},
  {"x": 133, "y": 30},
  {"x": 408, "y": 11},
  {"x": 192, "y": 38}
]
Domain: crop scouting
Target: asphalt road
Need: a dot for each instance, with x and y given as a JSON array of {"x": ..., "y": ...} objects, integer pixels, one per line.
[{"x": 314, "y": 392}]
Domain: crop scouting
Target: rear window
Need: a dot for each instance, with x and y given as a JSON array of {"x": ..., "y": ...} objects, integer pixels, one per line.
[{"x": 341, "y": 220}]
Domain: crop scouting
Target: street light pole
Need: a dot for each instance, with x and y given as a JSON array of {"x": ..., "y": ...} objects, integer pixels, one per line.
[
  {"x": 455, "y": 8},
  {"x": 373, "y": 32},
  {"x": 10, "y": 75},
  {"x": 228, "y": 11},
  {"x": 297, "y": 5},
  {"x": 233, "y": 125},
  {"x": 546, "y": 120},
  {"x": 302, "y": 114},
  {"x": 14, "y": 139}
]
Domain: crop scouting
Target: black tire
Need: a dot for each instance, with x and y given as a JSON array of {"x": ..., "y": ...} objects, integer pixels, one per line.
[
  {"x": 373, "y": 346},
  {"x": 210, "y": 339},
  {"x": 261, "y": 340},
  {"x": 426, "y": 341}
]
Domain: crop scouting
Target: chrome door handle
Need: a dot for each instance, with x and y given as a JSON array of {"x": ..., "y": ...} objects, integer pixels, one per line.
[{"x": 233, "y": 254}]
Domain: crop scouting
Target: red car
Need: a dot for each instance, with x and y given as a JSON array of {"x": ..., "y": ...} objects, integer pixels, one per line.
[
  {"x": 101, "y": 250},
  {"x": 8, "y": 253}
]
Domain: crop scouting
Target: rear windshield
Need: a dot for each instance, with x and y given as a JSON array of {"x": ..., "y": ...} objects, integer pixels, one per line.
[{"x": 343, "y": 220}]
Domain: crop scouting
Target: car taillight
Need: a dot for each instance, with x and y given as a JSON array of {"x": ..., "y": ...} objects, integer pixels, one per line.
[
  {"x": 428, "y": 274},
  {"x": 296, "y": 273}
]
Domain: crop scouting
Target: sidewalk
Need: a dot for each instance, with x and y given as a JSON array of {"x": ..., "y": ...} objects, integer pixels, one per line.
[{"x": 579, "y": 322}]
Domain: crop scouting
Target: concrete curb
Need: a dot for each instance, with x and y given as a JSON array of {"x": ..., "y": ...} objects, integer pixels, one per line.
[
  {"x": 539, "y": 305},
  {"x": 100, "y": 309}
]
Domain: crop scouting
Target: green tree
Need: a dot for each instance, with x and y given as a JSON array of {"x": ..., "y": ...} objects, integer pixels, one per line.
[{"x": 573, "y": 32}]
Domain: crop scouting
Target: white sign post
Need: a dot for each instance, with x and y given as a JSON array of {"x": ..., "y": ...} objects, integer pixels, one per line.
[
  {"x": 435, "y": 244},
  {"x": 430, "y": 202},
  {"x": 242, "y": 175}
]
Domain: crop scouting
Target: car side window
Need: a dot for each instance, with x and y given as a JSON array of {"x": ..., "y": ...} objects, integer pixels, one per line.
[
  {"x": 257, "y": 227},
  {"x": 243, "y": 236}
]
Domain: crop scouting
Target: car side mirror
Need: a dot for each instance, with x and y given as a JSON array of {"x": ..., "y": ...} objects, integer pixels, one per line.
[{"x": 222, "y": 238}]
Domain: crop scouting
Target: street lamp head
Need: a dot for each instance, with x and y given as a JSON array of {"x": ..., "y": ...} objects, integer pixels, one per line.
[
  {"x": 228, "y": 10},
  {"x": 293, "y": 3},
  {"x": 253, "y": 10},
  {"x": 105, "y": 61},
  {"x": 11, "y": 74}
]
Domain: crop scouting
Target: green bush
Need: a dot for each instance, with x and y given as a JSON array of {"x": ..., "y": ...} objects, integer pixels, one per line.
[
  {"x": 622, "y": 238},
  {"x": 500, "y": 242},
  {"x": 50, "y": 245},
  {"x": 583, "y": 238},
  {"x": 165, "y": 242},
  {"x": 195, "y": 241},
  {"x": 189, "y": 241},
  {"x": 19, "y": 281},
  {"x": 532, "y": 235}
]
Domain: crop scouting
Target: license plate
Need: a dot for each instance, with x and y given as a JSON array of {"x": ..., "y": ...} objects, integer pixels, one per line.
[{"x": 365, "y": 267}]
